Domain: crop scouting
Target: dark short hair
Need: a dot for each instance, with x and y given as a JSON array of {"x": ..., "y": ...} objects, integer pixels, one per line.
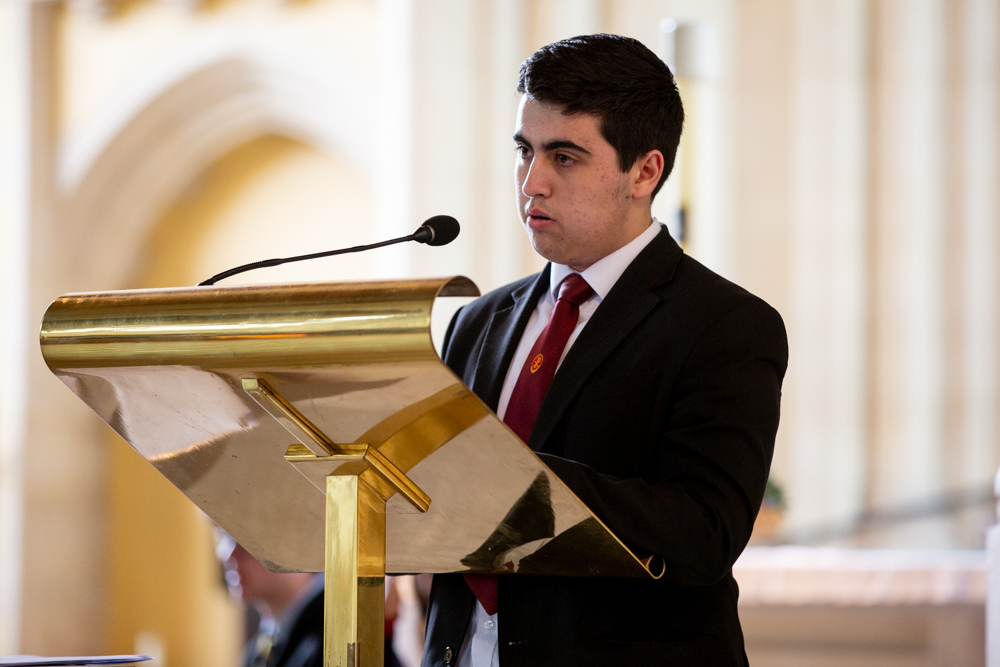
[{"x": 618, "y": 80}]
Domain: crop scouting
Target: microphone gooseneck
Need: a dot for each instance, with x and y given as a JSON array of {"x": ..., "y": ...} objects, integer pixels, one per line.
[{"x": 436, "y": 231}]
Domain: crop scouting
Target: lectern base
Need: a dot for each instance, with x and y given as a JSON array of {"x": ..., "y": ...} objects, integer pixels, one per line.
[{"x": 355, "y": 574}]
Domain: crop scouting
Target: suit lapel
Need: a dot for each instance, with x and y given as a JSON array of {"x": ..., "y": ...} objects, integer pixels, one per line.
[
  {"x": 502, "y": 336},
  {"x": 628, "y": 304}
]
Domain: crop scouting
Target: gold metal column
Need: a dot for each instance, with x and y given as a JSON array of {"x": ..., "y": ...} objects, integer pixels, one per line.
[
  {"x": 354, "y": 606},
  {"x": 355, "y": 573}
]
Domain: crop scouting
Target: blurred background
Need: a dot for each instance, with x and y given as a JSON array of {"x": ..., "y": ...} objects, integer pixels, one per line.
[{"x": 840, "y": 160}]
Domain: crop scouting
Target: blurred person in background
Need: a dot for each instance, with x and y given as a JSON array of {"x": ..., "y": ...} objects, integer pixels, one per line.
[{"x": 290, "y": 604}]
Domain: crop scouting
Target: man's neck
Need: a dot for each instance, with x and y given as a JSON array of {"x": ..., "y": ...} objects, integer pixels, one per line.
[
  {"x": 604, "y": 273},
  {"x": 631, "y": 230}
]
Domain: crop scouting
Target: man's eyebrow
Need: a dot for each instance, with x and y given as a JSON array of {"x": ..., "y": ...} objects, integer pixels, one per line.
[
  {"x": 553, "y": 145},
  {"x": 565, "y": 143}
]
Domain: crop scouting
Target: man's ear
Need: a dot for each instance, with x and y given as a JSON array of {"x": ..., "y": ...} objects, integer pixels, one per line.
[{"x": 646, "y": 174}]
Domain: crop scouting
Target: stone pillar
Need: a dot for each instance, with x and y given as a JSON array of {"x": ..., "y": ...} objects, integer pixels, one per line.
[
  {"x": 511, "y": 255},
  {"x": 971, "y": 246},
  {"x": 15, "y": 221},
  {"x": 907, "y": 362},
  {"x": 394, "y": 132},
  {"x": 447, "y": 144},
  {"x": 698, "y": 67},
  {"x": 825, "y": 391},
  {"x": 64, "y": 577}
]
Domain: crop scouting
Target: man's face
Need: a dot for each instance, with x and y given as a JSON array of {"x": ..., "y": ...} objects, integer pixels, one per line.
[{"x": 573, "y": 198}]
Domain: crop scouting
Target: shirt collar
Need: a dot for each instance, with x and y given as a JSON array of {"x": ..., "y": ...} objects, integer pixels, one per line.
[{"x": 605, "y": 272}]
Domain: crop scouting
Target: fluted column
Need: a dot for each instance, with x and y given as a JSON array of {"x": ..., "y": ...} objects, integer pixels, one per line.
[
  {"x": 825, "y": 391},
  {"x": 63, "y": 574},
  {"x": 393, "y": 206},
  {"x": 508, "y": 251},
  {"x": 972, "y": 245},
  {"x": 15, "y": 221},
  {"x": 908, "y": 216},
  {"x": 465, "y": 59}
]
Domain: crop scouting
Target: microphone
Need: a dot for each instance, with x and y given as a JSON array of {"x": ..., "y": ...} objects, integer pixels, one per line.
[{"x": 438, "y": 230}]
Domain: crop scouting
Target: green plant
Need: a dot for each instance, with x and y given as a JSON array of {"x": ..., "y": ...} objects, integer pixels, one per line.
[{"x": 774, "y": 495}]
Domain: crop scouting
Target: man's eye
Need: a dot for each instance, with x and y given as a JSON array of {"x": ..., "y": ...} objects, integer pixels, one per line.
[
  {"x": 562, "y": 158},
  {"x": 523, "y": 151}
]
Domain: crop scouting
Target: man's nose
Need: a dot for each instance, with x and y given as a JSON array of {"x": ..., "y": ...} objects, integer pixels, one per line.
[{"x": 537, "y": 182}]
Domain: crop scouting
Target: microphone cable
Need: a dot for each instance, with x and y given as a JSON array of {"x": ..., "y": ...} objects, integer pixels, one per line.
[{"x": 436, "y": 231}]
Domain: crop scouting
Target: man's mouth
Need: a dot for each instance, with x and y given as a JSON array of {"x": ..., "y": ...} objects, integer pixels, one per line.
[{"x": 537, "y": 218}]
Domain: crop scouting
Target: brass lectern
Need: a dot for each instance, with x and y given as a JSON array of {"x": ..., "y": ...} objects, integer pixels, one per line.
[{"x": 294, "y": 413}]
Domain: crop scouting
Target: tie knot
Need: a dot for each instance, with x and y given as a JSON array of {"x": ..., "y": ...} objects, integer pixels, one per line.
[{"x": 575, "y": 289}]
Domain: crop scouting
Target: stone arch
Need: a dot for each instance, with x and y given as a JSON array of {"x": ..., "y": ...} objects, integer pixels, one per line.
[{"x": 187, "y": 112}]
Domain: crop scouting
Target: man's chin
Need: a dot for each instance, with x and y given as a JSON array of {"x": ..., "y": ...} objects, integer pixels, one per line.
[
  {"x": 547, "y": 247},
  {"x": 550, "y": 255},
  {"x": 554, "y": 255}
]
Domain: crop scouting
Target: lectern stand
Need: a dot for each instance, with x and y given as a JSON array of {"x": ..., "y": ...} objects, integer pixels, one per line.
[{"x": 316, "y": 424}]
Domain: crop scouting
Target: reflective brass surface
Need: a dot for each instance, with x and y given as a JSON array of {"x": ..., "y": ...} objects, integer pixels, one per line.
[
  {"x": 316, "y": 468},
  {"x": 296, "y": 454},
  {"x": 239, "y": 327},
  {"x": 398, "y": 480},
  {"x": 301, "y": 428},
  {"x": 213, "y": 386}
]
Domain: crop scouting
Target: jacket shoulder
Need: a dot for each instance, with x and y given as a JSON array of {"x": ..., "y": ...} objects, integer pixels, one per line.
[
  {"x": 718, "y": 309},
  {"x": 708, "y": 291}
]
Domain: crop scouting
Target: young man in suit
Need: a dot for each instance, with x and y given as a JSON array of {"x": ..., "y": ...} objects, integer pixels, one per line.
[{"x": 647, "y": 383}]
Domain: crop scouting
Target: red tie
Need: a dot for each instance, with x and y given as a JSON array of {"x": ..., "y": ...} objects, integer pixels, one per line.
[{"x": 534, "y": 380}]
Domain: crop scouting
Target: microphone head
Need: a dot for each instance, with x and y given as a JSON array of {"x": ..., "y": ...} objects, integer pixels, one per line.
[{"x": 439, "y": 230}]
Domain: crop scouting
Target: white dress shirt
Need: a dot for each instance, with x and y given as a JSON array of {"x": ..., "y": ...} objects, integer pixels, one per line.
[{"x": 480, "y": 648}]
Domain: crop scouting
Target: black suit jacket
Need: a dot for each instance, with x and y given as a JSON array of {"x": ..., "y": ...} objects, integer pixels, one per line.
[
  {"x": 662, "y": 419},
  {"x": 303, "y": 645}
]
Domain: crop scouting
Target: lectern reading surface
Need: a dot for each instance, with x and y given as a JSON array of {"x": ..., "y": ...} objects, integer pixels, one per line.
[{"x": 316, "y": 424}]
